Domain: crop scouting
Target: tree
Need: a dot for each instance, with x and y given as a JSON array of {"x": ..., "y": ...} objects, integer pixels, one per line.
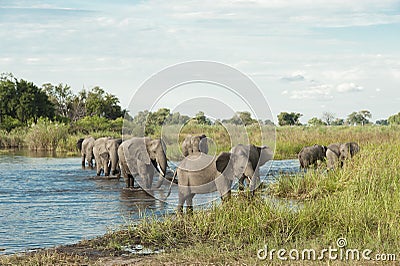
[
  {"x": 337, "y": 122},
  {"x": 382, "y": 122},
  {"x": 394, "y": 119},
  {"x": 102, "y": 104},
  {"x": 246, "y": 119},
  {"x": 328, "y": 117},
  {"x": 289, "y": 119},
  {"x": 77, "y": 106},
  {"x": 316, "y": 122},
  {"x": 61, "y": 96},
  {"x": 201, "y": 119},
  {"x": 359, "y": 118},
  {"x": 269, "y": 122}
]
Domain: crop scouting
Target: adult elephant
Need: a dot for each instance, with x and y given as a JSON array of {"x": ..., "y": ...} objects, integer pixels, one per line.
[
  {"x": 194, "y": 144},
  {"x": 85, "y": 146},
  {"x": 258, "y": 156},
  {"x": 309, "y": 155},
  {"x": 337, "y": 153},
  {"x": 105, "y": 152},
  {"x": 139, "y": 157},
  {"x": 201, "y": 173}
]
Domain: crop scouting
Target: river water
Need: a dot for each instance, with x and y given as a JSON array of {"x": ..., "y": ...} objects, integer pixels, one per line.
[{"x": 47, "y": 201}]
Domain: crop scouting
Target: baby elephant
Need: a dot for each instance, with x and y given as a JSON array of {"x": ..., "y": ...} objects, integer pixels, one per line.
[
  {"x": 337, "y": 153},
  {"x": 309, "y": 155}
]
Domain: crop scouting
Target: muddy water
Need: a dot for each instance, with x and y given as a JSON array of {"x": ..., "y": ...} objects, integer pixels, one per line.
[{"x": 47, "y": 201}]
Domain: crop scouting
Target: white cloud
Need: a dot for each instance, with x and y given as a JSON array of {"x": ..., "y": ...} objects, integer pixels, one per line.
[
  {"x": 293, "y": 78},
  {"x": 349, "y": 87},
  {"x": 320, "y": 92}
]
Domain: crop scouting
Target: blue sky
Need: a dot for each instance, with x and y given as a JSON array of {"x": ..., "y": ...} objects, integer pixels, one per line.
[{"x": 305, "y": 56}]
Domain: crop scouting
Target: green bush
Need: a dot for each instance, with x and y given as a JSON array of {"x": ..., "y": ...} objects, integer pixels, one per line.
[{"x": 46, "y": 135}]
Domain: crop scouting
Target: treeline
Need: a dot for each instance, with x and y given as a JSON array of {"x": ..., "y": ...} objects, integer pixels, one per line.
[
  {"x": 23, "y": 103},
  {"x": 359, "y": 118}
]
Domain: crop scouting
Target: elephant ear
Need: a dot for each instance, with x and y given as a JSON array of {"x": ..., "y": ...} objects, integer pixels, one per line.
[
  {"x": 354, "y": 148},
  {"x": 142, "y": 151},
  {"x": 223, "y": 161},
  {"x": 186, "y": 144},
  {"x": 79, "y": 144}
]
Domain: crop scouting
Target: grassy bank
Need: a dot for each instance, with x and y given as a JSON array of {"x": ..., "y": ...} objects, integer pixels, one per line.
[
  {"x": 360, "y": 203},
  {"x": 287, "y": 140}
]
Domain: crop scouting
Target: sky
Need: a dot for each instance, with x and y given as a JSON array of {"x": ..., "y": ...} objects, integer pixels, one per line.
[{"x": 305, "y": 56}]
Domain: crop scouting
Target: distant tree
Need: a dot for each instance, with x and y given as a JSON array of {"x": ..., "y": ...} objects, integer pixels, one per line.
[
  {"x": 241, "y": 118},
  {"x": 394, "y": 119},
  {"x": 328, "y": 117},
  {"x": 102, "y": 104},
  {"x": 30, "y": 102},
  {"x": 176, "y": 118},
  {"x": 201, "y": 119},
  {"x": 246, "y": 118},
  {"x": 61, "y": 96},
  {"x": 269, "y": 122},
  {"x": 359, "y": 118},
  {"x": 289, "y": 119},
  {"x": 316, "y": 122},
  {"x": 77, "y": 106},
  {"x": 337, "y": 122},
  {"x": 382, "y": 122}
]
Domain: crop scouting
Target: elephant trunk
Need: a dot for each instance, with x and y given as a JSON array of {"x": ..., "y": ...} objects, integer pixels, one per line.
[
  {"x": 250, "y": 173},
  {"x": 162, "y": 162},
  {"x": 114, "y": 163}
]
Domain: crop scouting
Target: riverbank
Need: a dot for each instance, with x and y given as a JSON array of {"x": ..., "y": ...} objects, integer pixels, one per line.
[{"x": 358, "y": 205}]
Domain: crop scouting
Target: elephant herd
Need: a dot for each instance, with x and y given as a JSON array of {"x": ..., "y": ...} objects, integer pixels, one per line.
[
  {"x": 198, "y": 173},
  {"x": 335, "y": 154}
]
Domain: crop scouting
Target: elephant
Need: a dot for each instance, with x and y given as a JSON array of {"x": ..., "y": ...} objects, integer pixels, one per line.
[
  {"x": 309, "y": 155},
  {"x": 194, "y": 144},
  {"x": 258, "y": 156},
  {"x": 105, "y": 152},
  {"x": 139, "y": 156},
  {"x": 85, "y": 146},
  {"x": 200, "y": 173},
  {"x": 337, "y": 153}
]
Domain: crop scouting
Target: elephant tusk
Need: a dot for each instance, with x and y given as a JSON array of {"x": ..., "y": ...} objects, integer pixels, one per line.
[{"x": 160, "y": 170}]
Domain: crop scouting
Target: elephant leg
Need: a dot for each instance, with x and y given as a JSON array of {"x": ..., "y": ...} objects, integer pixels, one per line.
[
  {"x": 127, "y": 181},
  {"x": 189, "y": 204},
  {"x": 98, "y": 167},
  {"x": 83, "y": 160},
  {"x": 131, "y": 181},
  {"x": 241, "y": 182},
  {"x": 226, "y": 196},
  {"x": 181, "y": 201}
]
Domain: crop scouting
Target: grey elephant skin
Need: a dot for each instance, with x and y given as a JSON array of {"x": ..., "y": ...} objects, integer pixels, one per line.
[
  {"x": 201, "y": 173},
  {"x": 338, "y": 153},
  {"x": 105, "y": 152},
  {"x": 309, "y": 155},
  {"x": 85, "y": 146},
  {"x": 257, "y": 157},
  {"x": 194, "y": 144},
  {"x": 140, "y": 157}
]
